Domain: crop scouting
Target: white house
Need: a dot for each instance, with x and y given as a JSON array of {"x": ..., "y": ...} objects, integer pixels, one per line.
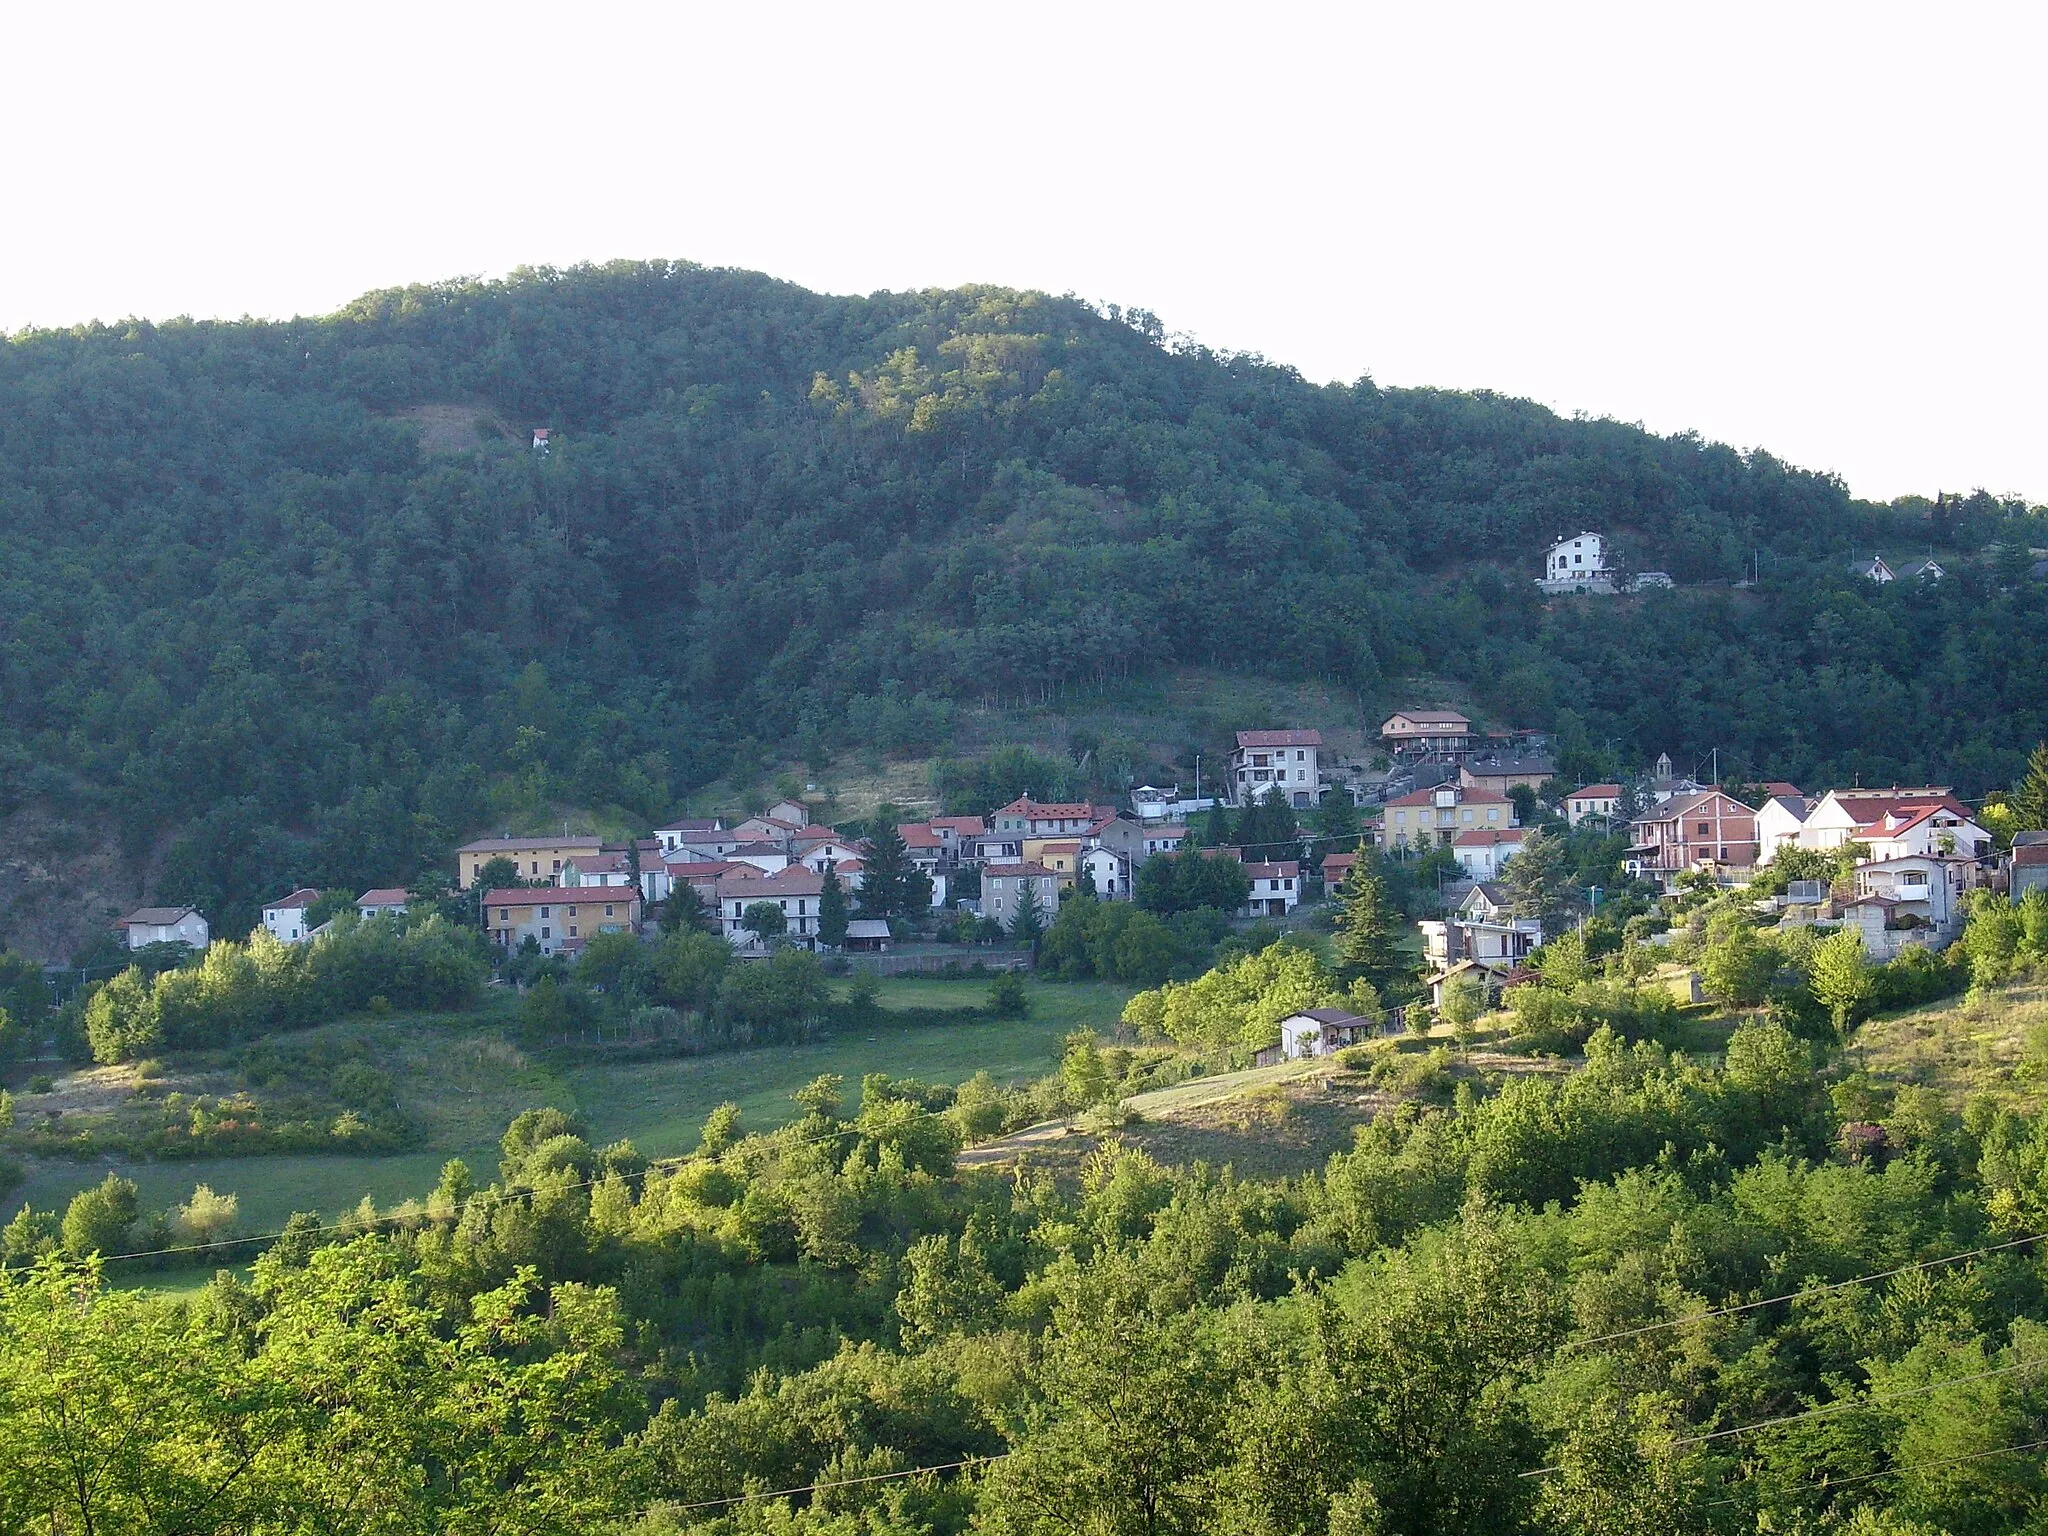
[
  {"x": 385, "y": 901},
  {"x": 673, "y": 836},
  {"x": 1779, "y": 822},
  {"x": 1851, "y": 815},
  {"x": 819, "y": 854},
  {"x": 166, "y": 925},
  {"x": 1873, "y": 569},
  {"x": 1595, "y": 800},
  {"x": 1321, "y": 1032},
  {"x": 1926, "y": 832},
  {"x": 1930, "y": 889},
  {"x": 1003, "y": 887},
  {"x": 1275, "y": 889},
  {"x": 1025, "y": 817},
  {"x": 793, "y": 891},
  {"x": 1283, "y": 763},
  {"x": 285, "y": 918},
  {"x": 1110, "y": 871},
  {"x": 1577, "y": 564},
  {"x": 796, "y": 812},
  {"x": 1483, "y": 852}
]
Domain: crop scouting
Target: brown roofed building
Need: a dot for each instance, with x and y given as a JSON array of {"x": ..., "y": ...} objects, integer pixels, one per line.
[{"x": 559, "y": 918}]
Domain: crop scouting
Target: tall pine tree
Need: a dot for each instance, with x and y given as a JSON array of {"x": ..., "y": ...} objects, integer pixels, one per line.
[
  {"x": 1368, "y": 931},
  {"x": 891, "y": 886}
]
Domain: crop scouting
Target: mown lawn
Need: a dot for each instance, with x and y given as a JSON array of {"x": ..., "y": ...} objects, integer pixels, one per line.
[{"x": 461, "y": 1080}]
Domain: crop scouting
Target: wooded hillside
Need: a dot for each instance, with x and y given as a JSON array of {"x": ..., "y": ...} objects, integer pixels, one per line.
[{"x": 242, "y": 605}]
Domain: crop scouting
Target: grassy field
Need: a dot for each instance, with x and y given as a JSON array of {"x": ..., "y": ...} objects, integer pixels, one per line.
[
  {"x": 462, "y": 1080},
  {"x": 1994, "y": 1042}
]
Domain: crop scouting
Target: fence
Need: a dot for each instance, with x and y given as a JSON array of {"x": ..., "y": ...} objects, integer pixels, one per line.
[{"x": 936, "y": 965}]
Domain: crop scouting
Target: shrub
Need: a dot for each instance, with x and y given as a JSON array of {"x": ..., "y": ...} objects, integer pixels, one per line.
[{"x": 1007, "y": 998}]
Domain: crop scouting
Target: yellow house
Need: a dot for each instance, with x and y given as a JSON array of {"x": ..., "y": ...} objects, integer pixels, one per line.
[
  {"x": 1060, "y": 857},
  {"x": 538, "y": 858},
  {"x": 560, "y": 919}
]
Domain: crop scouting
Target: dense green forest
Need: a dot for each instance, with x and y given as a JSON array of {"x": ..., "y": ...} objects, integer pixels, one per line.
[{"x": 242, "y": 608}]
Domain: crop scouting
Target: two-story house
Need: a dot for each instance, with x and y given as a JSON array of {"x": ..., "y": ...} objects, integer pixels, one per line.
[
  {"x": 1577, "y": 564},
  {"x": 1436, "y": 816},
  {"x": 794, "y": 891},
  {"x": 1594, "y": 802},
  {"x": 1483, "y": 936},
  {"x": 166, "y": 925},
  {"x": 1025, "y": 817},
  {"x": 1275, "y": 889},
  {"x": 1283, "y": 763},
  {"x": 1108, "y": 871},
  {"x": 285, "y": 918},
  {"x": 1779, "y": 821},
  {"x": 1500, "y": 772},
  {"x": 559, "y": 919},
  {"x": 1484, "y": 851}
]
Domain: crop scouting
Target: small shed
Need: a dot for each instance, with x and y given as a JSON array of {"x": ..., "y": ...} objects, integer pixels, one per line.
[
  {"x": 868, "y": 936},
  {"x": 1321, "y": 1031}
]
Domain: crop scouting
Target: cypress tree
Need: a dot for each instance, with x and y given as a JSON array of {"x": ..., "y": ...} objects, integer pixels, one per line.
[{"x": 832, "y": 910}]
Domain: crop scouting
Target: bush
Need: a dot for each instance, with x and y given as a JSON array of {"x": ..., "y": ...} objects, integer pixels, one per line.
[{"x": 1006, "y": 996}]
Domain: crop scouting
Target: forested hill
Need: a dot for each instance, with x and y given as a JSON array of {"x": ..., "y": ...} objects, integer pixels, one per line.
[{"x": 245, "y": 601}]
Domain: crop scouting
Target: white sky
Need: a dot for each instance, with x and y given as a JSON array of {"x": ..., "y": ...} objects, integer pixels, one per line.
[{"x": 1814, "y": 228}]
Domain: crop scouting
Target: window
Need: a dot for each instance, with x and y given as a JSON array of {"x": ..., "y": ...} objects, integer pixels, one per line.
[
  {"x": 607, "y": 909},
  {"x": 572, "y": 912},
  {"x": 558, "y": 866},
  {"x": 547, "y": 933},
  {"x": 543, "y": 911},
  {"x": 572, "y": 930},
  {"x": 1706, "y": 829}
]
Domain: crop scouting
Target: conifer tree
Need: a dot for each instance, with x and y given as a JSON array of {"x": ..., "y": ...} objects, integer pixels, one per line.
[
  {"x": 832, "y": 910},
  {"x": 891, "y": 886},
  {"x": 2029, "y": 802},
  {"x": 1367, "y": 931}
]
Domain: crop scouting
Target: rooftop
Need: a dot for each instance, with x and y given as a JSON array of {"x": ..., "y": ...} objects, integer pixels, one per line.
[
  {"x": 304, "y": 896},
  {"x": 1279, "y": 738},
  {"x": 521, "y": 844}
]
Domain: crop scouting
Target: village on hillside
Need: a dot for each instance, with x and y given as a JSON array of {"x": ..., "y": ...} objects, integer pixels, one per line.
[{"x": 1439, "y": 791}]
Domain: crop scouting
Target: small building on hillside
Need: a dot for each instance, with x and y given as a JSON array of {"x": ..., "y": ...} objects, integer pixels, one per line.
[
  {"x": 1337, "y": 869},
  {"x": 1321, "y": 1032},
  {"x": 1275, "y": 889},
  {"x": 1596, "y": 802},
  {"x": 1109, "y": 871},
  {"x": 2028, "y": 870},
  {"x": 1500, "y": 772},
  {"x": 671, "y": 837},
  {"x": 1778, "y": 823},
  {"x": 166, "y": 925},
  {"x": 1577, "y": 564},
  {"x": 285, "y": 918},
  {"x": 1283, "y": 763},
  {"x": 794, "y": 891},
  {"x": 385, "y": 901},
  {"x": 796, "y": 812},
  {"x": 1484, "y": 852},
  {"x": 1873, "y": 569},
  {"x": 867, "y": 936},
  {"x": 1025, "y": 817},
  {"x": 1416, "y": 732}
]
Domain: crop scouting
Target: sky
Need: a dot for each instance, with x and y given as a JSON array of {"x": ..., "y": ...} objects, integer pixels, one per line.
[{"x": 1814, "y": 229}]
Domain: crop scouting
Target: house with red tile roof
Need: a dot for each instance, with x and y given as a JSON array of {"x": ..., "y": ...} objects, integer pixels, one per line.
[
  {"x": 1275, "y": 888},
  {"x": 1437, "y": 815},
  {"x": 285, "y": 918},
  {"x": 1595, "y": 800},
  {"x": 1483, "y": 852}
]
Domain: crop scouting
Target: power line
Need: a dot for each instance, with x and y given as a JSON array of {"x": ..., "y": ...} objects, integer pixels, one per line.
[
  {"x": 1816, "y": 1290},
  {"x": 1840, "y": 1405},
  {"x": 844, "y": 1482},
  {"x": 1828, "y": 1483}
]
